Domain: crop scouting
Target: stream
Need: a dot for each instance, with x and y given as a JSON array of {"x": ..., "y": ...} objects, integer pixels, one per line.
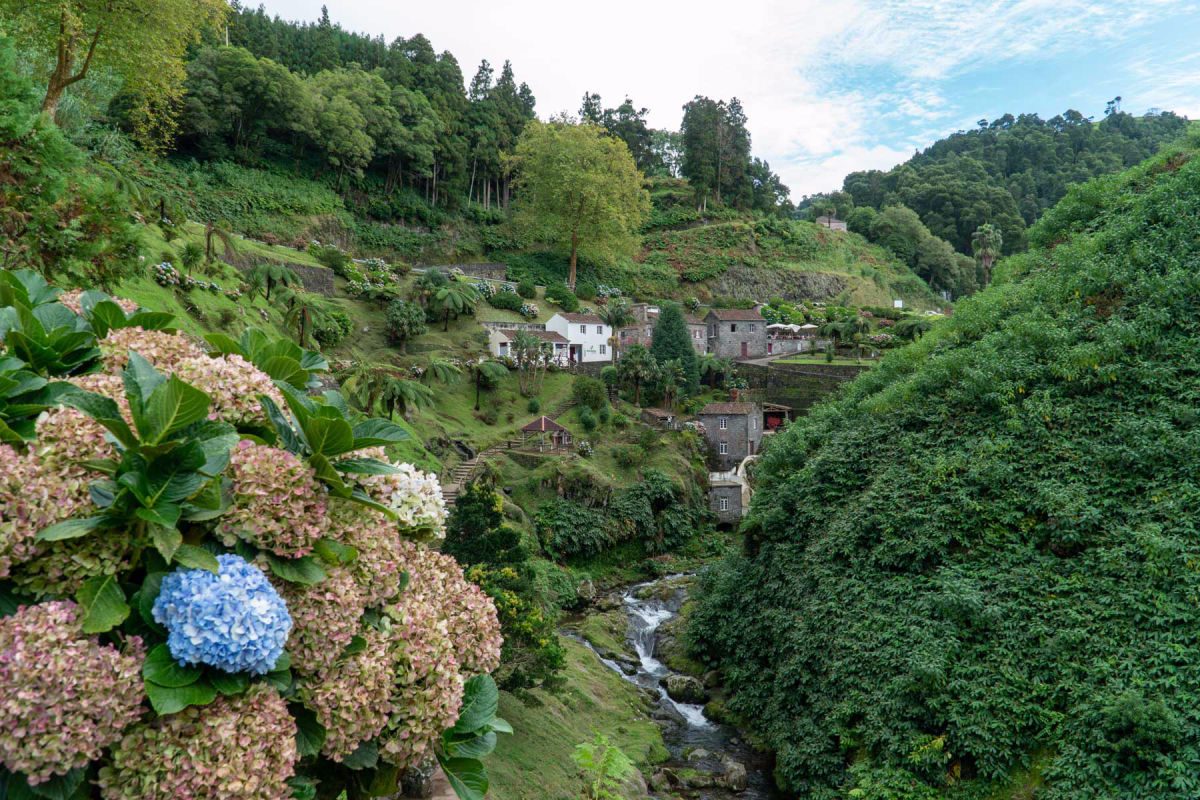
[{"x": 696, "y": 743}]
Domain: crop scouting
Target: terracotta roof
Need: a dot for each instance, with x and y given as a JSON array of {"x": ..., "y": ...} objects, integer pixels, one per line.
[
  {"x": 545, "y": 336},
  {"x": 542, "y": 425},
  {"x": 690, "y": 320},
  {"x": 736, "y": 314},
  {"x": 592, "y": 318},
  {"x": 729, "y": 408}
]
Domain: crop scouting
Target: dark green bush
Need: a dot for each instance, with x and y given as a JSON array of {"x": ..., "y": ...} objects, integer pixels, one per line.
[
  {"x": 509, "y": 301},
  {"x": 527, "y": 289},
  {"x": 534, "y": 406},
  {"x": 331, "y": 326},
  {"x": 980, "y": 560},
  {"x": 587, "y": 419},
  {"x": 589, "y": 392},
  {"x": 559, "y": 294}
]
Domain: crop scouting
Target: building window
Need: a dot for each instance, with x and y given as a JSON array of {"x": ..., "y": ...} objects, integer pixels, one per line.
[
  {"x": 723, "y": 448},
  {"x": 583, "y": 328},
  {"x": 753, "y": 327},
  {"x": 733, "y": 327},
  {"x": 752, "y": 423},
  {"x": 603, "y": 349},
  {"x": 599, "y": 329},
  {"x": 724, "y": 423},
  {"x": 724, "y": 503}
]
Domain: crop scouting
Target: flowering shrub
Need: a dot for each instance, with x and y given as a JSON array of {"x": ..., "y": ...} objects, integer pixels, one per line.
[
  {"x": 243, "y": 746},
  {"x": 233, "y": 620},
  {"x": 529, "y": 310},
  {"x": 257, "y": 538},
  {"x": 165, "y": 274},
  {"x": 72, "y": 298},
  {"x": 486, "y": 289},
  {"x": 66, "y": 695},
  {"x": 584, "y": 448}
]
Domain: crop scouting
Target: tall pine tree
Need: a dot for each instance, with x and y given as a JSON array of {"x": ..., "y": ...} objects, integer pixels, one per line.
[{"x": 671, "y": 342}]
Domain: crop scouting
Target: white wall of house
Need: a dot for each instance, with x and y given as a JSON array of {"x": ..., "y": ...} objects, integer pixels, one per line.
[
  {"x": 588, "y": 339},
  {"x": 500, "y": 345}
]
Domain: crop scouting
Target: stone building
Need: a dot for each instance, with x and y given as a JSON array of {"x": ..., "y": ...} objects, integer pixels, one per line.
[
  {"x": 725, "y": 497},
  {"x": 645, "y": 316},
  {"x": 736, "y": 333},
  {"x": 733, "y": 429}
]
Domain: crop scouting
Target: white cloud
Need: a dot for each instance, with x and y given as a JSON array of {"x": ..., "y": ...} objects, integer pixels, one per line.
[{"x": 829, "y": 87}]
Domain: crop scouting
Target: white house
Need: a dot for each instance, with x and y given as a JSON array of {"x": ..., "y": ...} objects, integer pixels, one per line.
[
  {"x": 500, "y": 342},
  {"x": 586, "y": 334}
]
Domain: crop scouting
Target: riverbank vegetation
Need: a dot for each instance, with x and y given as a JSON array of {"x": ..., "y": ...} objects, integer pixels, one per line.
[{"x": 970, "y": 576}]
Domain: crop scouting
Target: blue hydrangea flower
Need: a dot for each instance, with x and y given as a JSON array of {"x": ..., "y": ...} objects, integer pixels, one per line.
[{"x": 234, "y": 620}]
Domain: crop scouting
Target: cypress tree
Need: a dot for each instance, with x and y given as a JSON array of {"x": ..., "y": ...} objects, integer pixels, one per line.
[{"x": 671, "y": 341}]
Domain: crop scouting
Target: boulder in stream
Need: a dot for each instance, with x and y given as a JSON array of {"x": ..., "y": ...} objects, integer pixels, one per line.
[
  {"x": 685, "y": 689},
  {"x": 733, "y": 775}
]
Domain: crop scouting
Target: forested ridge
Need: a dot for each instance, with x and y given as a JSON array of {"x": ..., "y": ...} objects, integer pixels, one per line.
[
  {"x": 973, "y": 575},
  {"x": 1006, "y": 172}
]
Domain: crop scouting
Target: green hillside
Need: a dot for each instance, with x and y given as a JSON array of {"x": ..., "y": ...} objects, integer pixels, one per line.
[{"x": 974, "y": 574}]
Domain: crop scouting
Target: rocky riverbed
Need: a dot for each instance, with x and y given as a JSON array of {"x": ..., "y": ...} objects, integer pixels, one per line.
[{"x": 638, "y": 633}]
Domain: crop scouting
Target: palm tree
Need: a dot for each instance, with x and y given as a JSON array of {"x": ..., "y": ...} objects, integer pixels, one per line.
[
  {"x": 712, "y": 366},
  {"x": 405, "y": 395},
  {"x": 456, "y": 297},
  {"x": 486, "y": 371},
  {"x": 986, "y": 242},
  {"x": 364, "y": 385},
  {"x": 211, "y": 232},
  {"x": 302, "y": 308},
  {"x": 637, "y": 367},
  {"x": 442, "y": 371},
  {"x": 673, "y": 378},
  {"x": 271, "y": 274},
  {"x": 616, "y": 315},
  {"x": 912, "y": 328}
]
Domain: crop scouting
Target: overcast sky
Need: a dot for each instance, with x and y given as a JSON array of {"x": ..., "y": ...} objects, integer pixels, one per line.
[{"x": 829, "y": 86}]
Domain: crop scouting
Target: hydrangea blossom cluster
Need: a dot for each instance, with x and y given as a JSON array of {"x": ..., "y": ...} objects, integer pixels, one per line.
[
  {"x": 352, "y": 699},
  {"x": 277, "y": 503},
  {"x": 88, "y": 700},
  {"x": 235, "y": 747},
  {"x": 234, "y": 620},
  {"x": 415, "y": 496},
  {"x": 429, "y": 684},
  {"x": 233, "y": 384},
  {"x": 72, "y": 299},
  {"x": 436, "y": 581},
  {"x": 376, "y": 569},
  {"x": 166, "y": 351},
  {"x": 66, "y": 695},
  {"x": 324, "y": 619}
]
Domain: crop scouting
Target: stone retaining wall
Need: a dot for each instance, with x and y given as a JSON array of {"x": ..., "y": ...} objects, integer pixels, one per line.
[{"x": 797, "y": 385}]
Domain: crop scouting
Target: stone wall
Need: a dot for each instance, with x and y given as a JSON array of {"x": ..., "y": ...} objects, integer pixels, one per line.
[{"x": 797, "y": 385}]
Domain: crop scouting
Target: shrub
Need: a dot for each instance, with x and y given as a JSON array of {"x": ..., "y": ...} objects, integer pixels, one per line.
[
  {"x": 589, "y": 392},
  {"x": 563, "y": 297},
  {"x": 587, "y": 419},
  {"x": 605, "y": 415},
  {"x": 489, "y": 416},
  {"x": 629, "y": 455},
  {"x": 331, "y": 257},
  {"x": 534, "y": 406},
  {"x": 405, "y": 321},
  {"x": 509, "y": 301},
  {"x": 585, "y": 291},
  {"x": 171, "y": 672},
  {"x": 331, "y": 326},
  {"x": 620, "y": 421},
  {"x": 527, "y": 289}
]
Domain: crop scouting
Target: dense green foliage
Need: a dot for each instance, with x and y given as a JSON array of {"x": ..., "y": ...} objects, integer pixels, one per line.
[
  {"x": 974, "y": 574},
  {"x": 672, "y": 342},
  {"x": 1007, "y": 172}
]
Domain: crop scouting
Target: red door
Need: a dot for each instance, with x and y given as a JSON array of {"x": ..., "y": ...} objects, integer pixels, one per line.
[{"x": 745, "y": 349}]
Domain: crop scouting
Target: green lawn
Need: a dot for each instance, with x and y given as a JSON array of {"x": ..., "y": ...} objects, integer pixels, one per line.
[
  {"x": 535, "y": 762},
  {"x": 838, "y": 361}
]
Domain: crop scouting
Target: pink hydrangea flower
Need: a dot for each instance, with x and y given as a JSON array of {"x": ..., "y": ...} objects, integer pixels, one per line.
[
  {"x": 233, "y": 384},
  {"x": 235, "y": 747},
  {"x": 278, "y": 505},
  {"x": 376, "y": 570},
  {"x": 325, "y": 617},
  {"x": 351, "y": 698},
  {"x": 164, "y": 350},
  {"x": 66, "y": 696},
  {"x": 71, "y": 300},
  {"x": 436, "y": 580}
]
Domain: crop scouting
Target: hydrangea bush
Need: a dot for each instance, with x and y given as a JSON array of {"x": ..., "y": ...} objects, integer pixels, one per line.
[{"x": 214, "y": 583}]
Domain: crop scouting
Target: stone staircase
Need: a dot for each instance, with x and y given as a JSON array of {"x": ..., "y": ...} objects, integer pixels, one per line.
[{"x": 463, "y": 473}]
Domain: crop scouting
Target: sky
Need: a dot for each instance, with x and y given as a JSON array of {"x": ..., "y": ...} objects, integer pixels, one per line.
[{"x": 829, "y": 86}]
